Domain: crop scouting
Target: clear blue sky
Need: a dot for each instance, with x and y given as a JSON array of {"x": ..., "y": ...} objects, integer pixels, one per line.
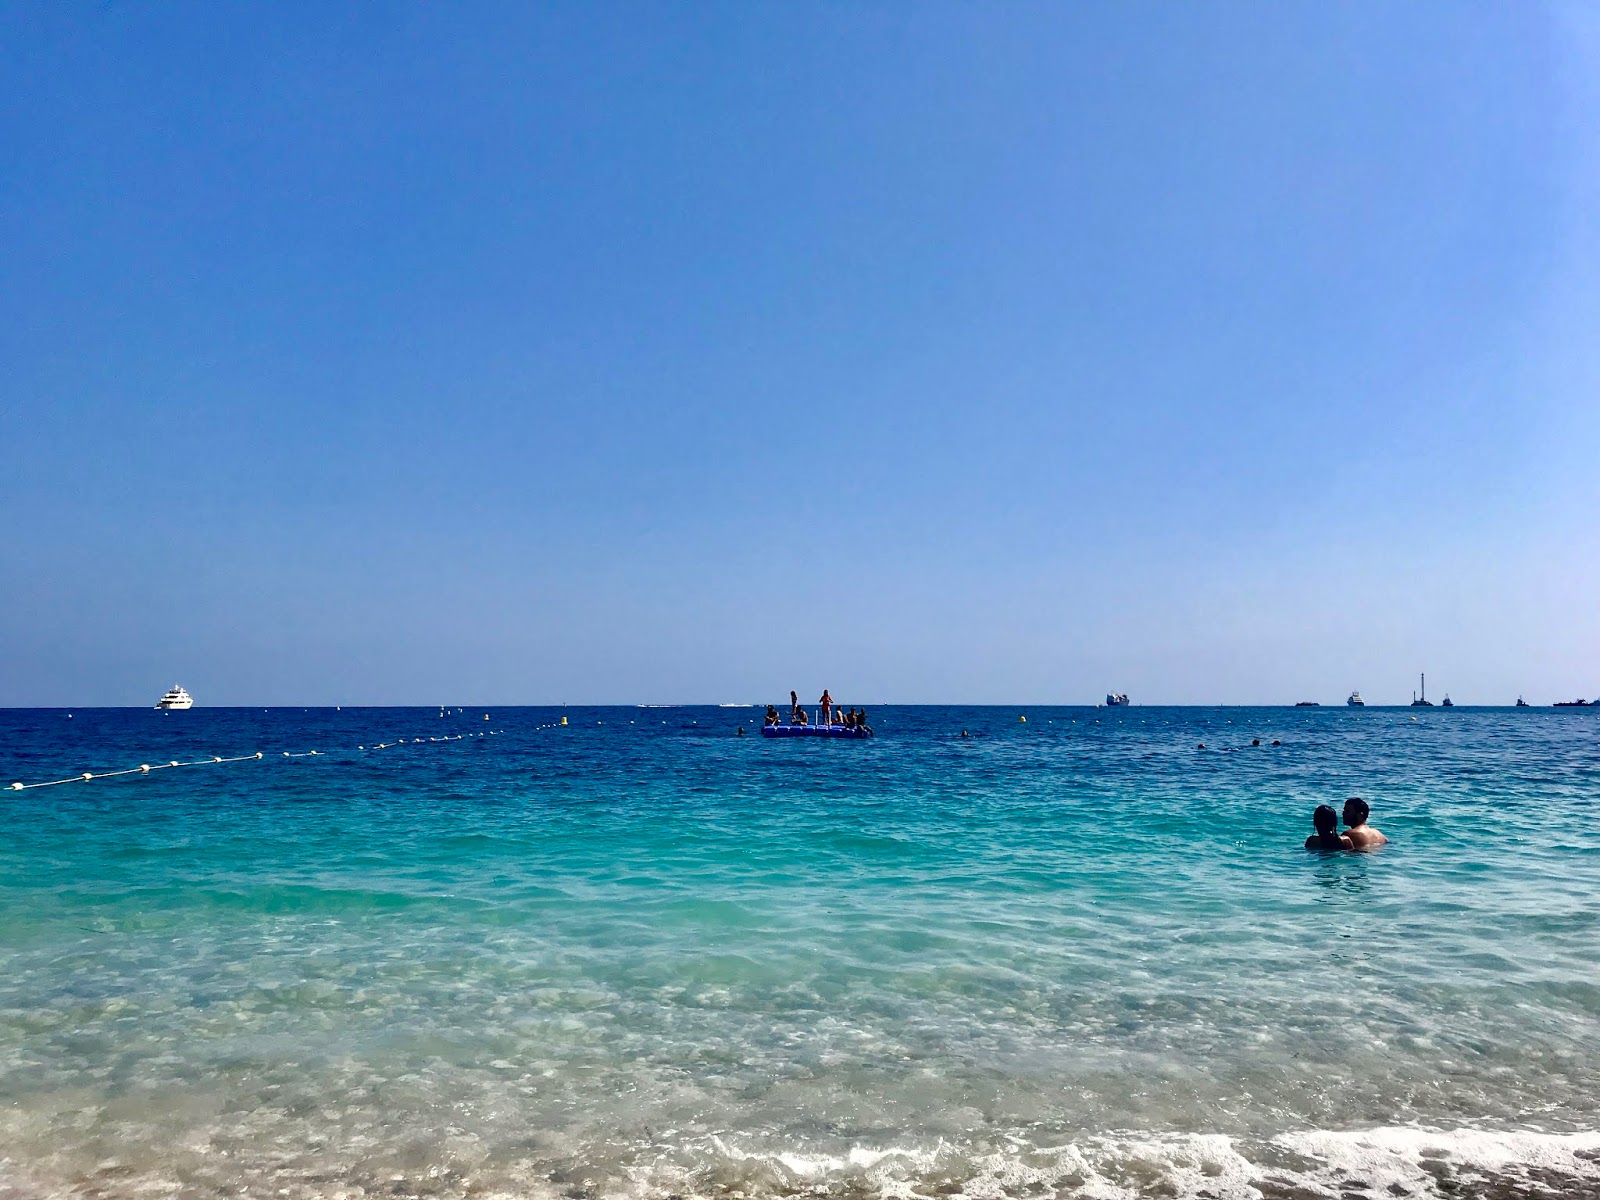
[{"x": 403, "y": 353}]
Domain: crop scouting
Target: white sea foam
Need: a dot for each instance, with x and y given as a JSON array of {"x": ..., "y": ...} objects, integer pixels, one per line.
[
  {"x": 1420, "y": 1159},
  {"x": 1409, "y": 1161}
]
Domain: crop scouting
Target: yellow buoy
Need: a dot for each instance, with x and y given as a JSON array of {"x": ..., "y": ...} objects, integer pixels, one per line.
[
  {"x": 1023, "y": 720},
  {"x": 563, "y": 720}
]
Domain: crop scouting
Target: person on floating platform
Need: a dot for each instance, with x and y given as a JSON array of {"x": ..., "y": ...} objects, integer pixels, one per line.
[
  {"x": 827, "y": 707},
  {"x": 799, "y": 717},
  {"x": 795, "y": 711},
  {"x": 861, "y": 720},
  {"x": 772, "y": 714}
]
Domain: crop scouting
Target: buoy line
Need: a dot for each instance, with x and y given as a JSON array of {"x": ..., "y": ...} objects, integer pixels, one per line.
[{"x": 147, "y": 768}]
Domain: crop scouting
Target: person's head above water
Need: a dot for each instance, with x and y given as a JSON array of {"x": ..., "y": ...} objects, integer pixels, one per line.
[
  {"x": 1326, "y": 819},
  {"x": 1356, "y": 811}
]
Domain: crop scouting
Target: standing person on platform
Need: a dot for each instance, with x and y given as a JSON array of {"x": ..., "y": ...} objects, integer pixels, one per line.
[
  {"x": 827, "y": 707},
  {"x": 794, "y": 706}
]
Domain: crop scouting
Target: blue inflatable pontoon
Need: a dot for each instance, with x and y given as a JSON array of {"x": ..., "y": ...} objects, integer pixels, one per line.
[{"x": 822, "y": 731}]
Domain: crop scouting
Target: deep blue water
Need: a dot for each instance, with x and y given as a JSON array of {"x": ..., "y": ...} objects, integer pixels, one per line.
[{"x": 641, "y": 955}]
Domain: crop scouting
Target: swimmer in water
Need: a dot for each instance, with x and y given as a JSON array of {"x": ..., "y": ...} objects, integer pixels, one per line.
[
  {"x": 1364, "y": 836},
  {"x": 1327, "y": 836}
]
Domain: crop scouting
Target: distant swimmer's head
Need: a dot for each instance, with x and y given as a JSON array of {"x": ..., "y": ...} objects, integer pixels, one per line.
[
  {"x": 1276, "y": 742},
  {"x": 1356, "y": 811},
  {"x": 1255, "y": 741},
  {"x": 1326, "y": 819},
  {"x": 1200, "y": 746}
]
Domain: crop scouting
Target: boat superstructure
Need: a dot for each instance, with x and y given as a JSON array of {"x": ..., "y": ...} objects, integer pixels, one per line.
[
  {"x": 1423, "y": 702},
  {"x": 176, "y": 697},
  {"x": 1355, "y": 700},
  {"x": 1117, "y": 700}
]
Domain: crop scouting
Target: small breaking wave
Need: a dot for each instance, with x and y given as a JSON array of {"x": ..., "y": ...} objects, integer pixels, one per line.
[{"x": 1461, "y": 1164}]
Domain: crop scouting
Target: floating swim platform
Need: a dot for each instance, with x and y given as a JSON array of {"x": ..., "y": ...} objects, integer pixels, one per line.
[{"x": 822, "y": 731}]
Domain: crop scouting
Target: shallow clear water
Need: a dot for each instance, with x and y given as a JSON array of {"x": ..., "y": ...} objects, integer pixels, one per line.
[{"x": 639, "y": 955}]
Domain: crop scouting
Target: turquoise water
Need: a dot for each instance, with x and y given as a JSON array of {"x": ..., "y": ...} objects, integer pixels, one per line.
[{"x": 638, "y": 955}]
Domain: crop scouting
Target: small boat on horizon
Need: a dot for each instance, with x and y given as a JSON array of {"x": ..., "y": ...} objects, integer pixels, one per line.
[
  {"x": 1521, "y": 703},
  {"x": 1448, "y": 703},
  {"x": 176, "y": 697},
  {"x": 1574, "y": 704},
  {"x": 1424, "y": 702},
  {"x": 1308, "y": 704},
  {"x": 1355, "y": 700},
  {"x": 1117, "y": 700}
]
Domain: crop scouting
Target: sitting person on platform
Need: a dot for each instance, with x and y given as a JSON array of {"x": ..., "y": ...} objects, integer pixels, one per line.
[
  {"x": 1364, "y": 836},
  {"x": 1327, "y": 836},
  {"x": 772, "y": 714},
  {"x": 799, "y": 716}
]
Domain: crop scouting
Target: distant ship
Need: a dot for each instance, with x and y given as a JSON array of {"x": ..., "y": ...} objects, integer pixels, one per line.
[
  {"x": 1120, "y": 700},
  {"x": 1356, "y": 701},
  {"x": 1572, "y": 704},
  {"x": 1424, "y": 702},
  {"x": 1448, "y": 703},
  {"x": 1308, "y": 704},
  {"x": 1521, "y": 703},
  {"x": 176, "y": 698}
]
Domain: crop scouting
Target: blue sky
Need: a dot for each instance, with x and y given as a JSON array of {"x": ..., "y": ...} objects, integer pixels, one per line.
[{"x": 1235, "y": 353}]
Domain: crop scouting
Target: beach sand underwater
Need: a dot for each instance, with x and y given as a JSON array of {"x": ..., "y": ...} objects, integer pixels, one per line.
[{"x": 637, "y": 955}]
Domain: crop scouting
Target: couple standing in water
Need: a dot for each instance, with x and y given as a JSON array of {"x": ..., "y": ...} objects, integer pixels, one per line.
[{"x": 1358, "y": 835}]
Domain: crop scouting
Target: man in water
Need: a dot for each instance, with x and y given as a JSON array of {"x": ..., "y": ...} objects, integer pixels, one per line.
[{"x": 1361, "y": 835}]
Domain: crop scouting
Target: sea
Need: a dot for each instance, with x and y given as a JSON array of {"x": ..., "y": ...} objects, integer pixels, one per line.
[{"x": 627, "y": 952}]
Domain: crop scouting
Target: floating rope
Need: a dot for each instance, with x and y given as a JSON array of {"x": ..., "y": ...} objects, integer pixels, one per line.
[{"x": 147, "y": 768}]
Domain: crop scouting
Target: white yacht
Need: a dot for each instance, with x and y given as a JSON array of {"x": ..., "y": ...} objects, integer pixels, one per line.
[
  {"x": 176, "y": 698},
  {"x": 1356, "y": 701}
]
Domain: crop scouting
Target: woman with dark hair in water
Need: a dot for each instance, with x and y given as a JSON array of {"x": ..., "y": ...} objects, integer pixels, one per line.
[{"x": 1327, "y": 836}]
